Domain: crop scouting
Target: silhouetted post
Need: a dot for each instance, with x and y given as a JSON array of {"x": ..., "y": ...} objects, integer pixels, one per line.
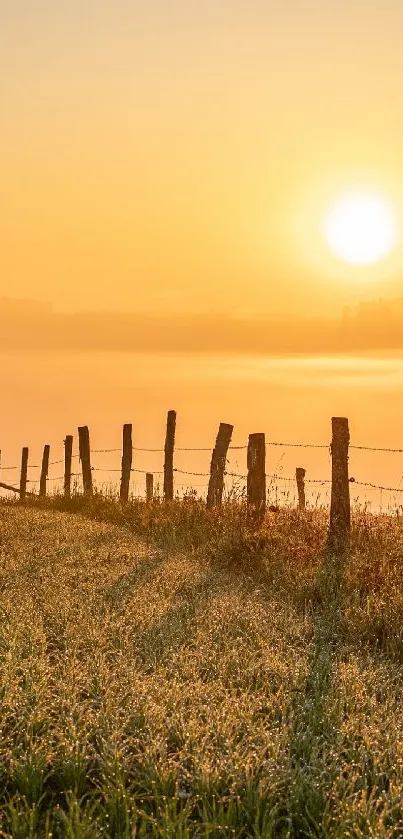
[
  {"x": 68, "y": 455},
  {"x": 24, "y": 473},
  {"x": 44, "y": 471},
  {"x": 256, "y": 481},
  {"x": 169, "y": 456},
  {"x": 339, "y": 532},
  {"x": 149, "y": 486},
  {"x": 218, "y": 463},
  {"x": 85, "y": 457},
  {"x": 300, "y": 476},
  {"x": 127, "y": 456}
]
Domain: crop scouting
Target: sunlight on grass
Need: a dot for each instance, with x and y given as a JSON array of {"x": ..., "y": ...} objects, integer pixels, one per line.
[{"x": 215, "y": 682}]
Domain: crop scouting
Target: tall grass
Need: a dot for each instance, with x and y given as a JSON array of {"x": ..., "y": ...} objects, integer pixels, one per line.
[{"x": 166, "y": 671}]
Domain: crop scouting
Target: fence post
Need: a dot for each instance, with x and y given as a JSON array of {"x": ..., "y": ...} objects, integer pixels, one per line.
[
  {"x": 24, "y": 472},
  {"x": 68, "y": 454},
  {"x": 149, "y": 486},
  {"x": 169, "y": 456},
  {"x": 339, "y": 531},
  {"x": 256, "y": 481},
  {"x": 85, "y": 457},
  {"x": 44, "y": 471},
  {"x": 300, "y": 476},
  {"x": 218, "y": 463},
  {"x": 127, "y": 456}
]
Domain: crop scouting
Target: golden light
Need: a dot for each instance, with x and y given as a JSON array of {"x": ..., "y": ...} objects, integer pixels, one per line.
[{"x": 361, "y": 228}]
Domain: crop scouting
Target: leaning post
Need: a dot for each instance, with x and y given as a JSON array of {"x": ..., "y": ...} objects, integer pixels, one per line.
[
  {"x": 44, "y": 471},
  {"x": 218, "y": 464}
]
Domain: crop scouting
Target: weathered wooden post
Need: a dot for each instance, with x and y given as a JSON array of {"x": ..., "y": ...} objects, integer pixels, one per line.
[
  {"x": 300, "y": 476},
  {"x": 339, "y": 531},
  {"x": 256, "y": 480},
  {"x": 127, "y": 456},
  {"x": 44, "y": 471},
  {"x": 24, "y": 473},
  {"x": 149, "y": 486},
  {"x": 169, "y": 456},
  {"x": 68, "y": 455},
  {"x": 85, "y": 457},
  {"x": 217, "y": 466}
]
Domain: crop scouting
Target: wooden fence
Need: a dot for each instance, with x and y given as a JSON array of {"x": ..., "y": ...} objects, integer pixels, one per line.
[{"x": 339, "y": 526}]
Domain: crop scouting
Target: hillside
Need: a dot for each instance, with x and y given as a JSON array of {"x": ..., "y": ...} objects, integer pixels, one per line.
[{"x": 147, "y": 692}]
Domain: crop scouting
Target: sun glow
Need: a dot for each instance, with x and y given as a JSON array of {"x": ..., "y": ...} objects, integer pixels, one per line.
[{"x": 360, "y": 228}]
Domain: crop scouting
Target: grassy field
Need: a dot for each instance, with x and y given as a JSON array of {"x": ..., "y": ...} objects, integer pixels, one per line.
[{"x": 166, "y": 673}]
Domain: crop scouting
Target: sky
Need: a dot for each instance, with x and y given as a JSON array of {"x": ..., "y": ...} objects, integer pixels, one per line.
[
  {"x": 165, "y": 167},
  {"x": 178, "y": 156}
]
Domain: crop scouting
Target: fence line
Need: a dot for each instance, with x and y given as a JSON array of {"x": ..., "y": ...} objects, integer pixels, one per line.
[
  {"x": 208, "y": 449},
  {"x": 243, "y": 477},
  {"x": 256, "y": 477}
]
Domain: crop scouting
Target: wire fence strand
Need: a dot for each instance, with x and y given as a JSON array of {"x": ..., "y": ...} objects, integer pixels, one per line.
[
  {"x": 272, "y": 477},
  {"x": 376, "y": 486}
]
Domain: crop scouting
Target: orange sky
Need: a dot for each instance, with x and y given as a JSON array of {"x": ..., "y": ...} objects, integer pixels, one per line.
[{"x": 179, "y": 156}]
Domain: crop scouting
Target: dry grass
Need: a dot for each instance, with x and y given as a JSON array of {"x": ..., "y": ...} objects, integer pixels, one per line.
[{"x": 211, "y": 683}]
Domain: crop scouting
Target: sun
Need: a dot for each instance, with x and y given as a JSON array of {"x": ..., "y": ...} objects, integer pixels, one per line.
[{"x": 360, "y": 228}]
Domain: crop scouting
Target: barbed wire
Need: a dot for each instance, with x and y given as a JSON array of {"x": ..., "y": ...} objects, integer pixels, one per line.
[
  {"x": 301, "y": 445},
  {"x": 328, "y": 446},
  {"x": 103, "y": 451},
  {"x": 271, "y": 476},
  {"x": 146, "y": 472},
  {"x": 376, "y": 449},
  {"x": 375, "y": 486},
  {"x": 230, "y": 448},
  {"x": 278, "y": 477},
  {"x": 140, "y": 471},
  {"x": 271, "y": 443},
  {"x": 195, "y": 474},
  {"x": 286, "y": 478},
  {"x": 306, "y": 480},
  {"x": 209, "y": 449},
  {"x": 228, "y": 474},
  {"x": 137, "y": 449}
]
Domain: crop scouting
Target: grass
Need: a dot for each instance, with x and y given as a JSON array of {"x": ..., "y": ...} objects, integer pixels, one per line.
[{"x": 166, "y": 672}]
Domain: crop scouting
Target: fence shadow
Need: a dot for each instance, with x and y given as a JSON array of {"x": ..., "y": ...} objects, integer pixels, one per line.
[
  {"x": 315, "y": 707},
  {"x": 122, "y": 588}
]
